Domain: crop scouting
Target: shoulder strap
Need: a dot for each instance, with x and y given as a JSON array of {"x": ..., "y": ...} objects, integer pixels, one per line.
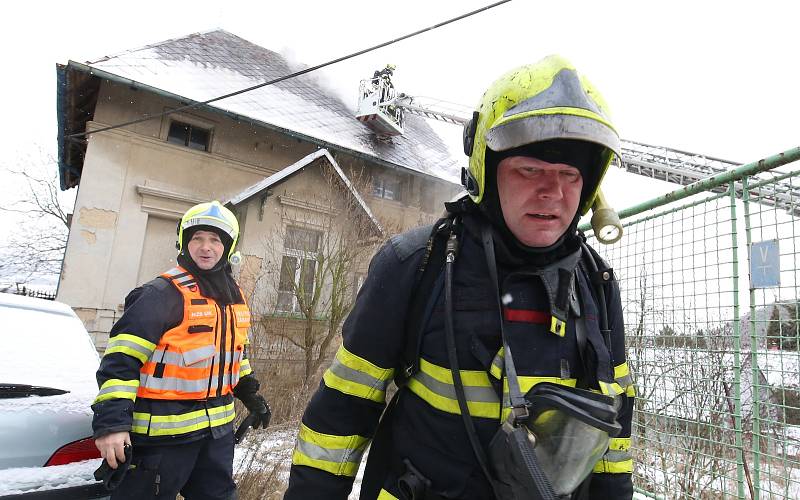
[
  {"x": 427, "y": 287},
  {"x": 428, "y": 284},
  {"x": 600, "y": 277}
]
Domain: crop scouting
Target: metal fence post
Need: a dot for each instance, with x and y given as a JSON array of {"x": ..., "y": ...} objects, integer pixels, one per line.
[
  {"x": 737, "y": 348},
  {"x": 755, "y": 376}
]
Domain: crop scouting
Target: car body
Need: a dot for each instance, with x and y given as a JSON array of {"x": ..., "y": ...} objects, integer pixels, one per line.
[{"x": 47, "y": 384}]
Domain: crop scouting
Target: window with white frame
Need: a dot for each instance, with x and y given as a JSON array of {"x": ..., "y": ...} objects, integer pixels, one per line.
[
  {"x": 386, "y": 186},
  {"x": 298, "y": 267}
]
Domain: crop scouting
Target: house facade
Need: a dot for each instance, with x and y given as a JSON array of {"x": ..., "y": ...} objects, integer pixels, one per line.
[{"x": 135, "y": 181}]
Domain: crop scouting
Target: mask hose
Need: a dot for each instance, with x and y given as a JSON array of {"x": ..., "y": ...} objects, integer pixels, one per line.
[{"x": 452, "y": 356}]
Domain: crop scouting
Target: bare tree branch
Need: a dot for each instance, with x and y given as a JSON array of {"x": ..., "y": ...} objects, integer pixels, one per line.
[{"x": 36, "y": 245}]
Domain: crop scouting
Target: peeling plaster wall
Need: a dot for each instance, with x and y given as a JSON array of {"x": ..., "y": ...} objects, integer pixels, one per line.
[{"x": 135, "y": 186}]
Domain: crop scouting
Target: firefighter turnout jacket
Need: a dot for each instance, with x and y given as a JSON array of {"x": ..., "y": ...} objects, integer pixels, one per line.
[
  {"x": 425, "y": 428},
  {"x": 171, "y": 364}
]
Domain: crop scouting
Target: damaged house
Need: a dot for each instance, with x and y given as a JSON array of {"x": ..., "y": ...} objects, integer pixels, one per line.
[{"x": 289, "y": 159}]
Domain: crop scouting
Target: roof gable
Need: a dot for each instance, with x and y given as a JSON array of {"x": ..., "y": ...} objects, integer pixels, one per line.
[{"x": 296, "y": 167}]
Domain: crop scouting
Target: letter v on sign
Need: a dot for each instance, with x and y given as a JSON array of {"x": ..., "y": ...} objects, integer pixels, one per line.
[{"x": 765, "y": 264}]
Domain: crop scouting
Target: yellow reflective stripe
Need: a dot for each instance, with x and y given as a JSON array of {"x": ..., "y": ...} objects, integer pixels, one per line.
[
  {"x": 605, "y": 466},
  {"x": 525, "y": 385},
  {"x": 167, "y": 425},
  {"x": 434, "y": 384},
  {"x": 360, "y": 364},
  {"x": 617, "y": 460},
  {"x": 356, "y": 376},
  {"x": 115, "y": 381},
  {"x": 558, "y": 110},
  {"x": 385, "y": 495},
  {"x": 117, "y": 389},
  {"x": 611, "y": 389},
  {"x": 622, "y": 376},
  {"x": 220, "y": 409},
  {"x": 619, "y": 444},
  {"x": 339, "y": 455},
  {"x": 498, "y": 364},
  {"x": 141, "y": 421},
  {"x": 129, "y": 351},
  {"x": 131, "y": 345},
  {"x": 244, "y": 368},
  {"x": 472, "y": 378},
  {"x": 133, "y": 338},
  {"x": 630, "y": 391},
  {"x": 353, "y": 388},
  {"x": 558, "y": 326}
]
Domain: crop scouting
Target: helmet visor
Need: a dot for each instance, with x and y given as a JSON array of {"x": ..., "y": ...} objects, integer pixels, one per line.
[{"x": 536, "y": 128}]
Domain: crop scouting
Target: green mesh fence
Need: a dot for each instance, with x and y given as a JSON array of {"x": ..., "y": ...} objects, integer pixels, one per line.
[{"x": 709, "y": 285}]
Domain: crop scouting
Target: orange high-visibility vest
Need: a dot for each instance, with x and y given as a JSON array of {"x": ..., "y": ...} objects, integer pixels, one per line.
[{"x": 199, "y": 358}]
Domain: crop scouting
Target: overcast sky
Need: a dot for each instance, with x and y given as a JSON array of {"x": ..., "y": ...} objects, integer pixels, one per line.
[{"x": 717, "y": 78}]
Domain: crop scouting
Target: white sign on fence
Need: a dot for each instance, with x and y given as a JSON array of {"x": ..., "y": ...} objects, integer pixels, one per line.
[{"x": 765, "y": 266}]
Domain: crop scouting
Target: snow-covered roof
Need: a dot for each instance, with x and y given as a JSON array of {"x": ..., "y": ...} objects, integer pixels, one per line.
[
  {"x": 202, "y": 66},
  {"x": 286, "y": 172}
]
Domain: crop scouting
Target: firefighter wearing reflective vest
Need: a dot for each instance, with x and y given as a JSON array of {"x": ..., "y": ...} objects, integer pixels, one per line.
[
  {"x": 174, "y": 362},
  {"x": 515, "y": 382}
]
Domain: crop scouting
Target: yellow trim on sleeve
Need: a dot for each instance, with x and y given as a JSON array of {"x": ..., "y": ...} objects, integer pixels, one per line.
[
  {"x": 142, "y": 354},
  {"x": 349, "y": 448},
  {"x": 619, "y": 444},
  {"x": 353, "y": 388},
  {"x": 360, "y": 364},
  {"x": 606, "y": 467}
]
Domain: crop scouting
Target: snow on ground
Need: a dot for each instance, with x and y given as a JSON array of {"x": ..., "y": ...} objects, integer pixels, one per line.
[
  {"x": 688, "y": 382},
  {"x": 792, "y": 436},
  {"x": 266, "y": 450},
  {"x": 781, "y": 368},
  {"x": 19, "y": 480},
  {"x": 261, "y": 449}
]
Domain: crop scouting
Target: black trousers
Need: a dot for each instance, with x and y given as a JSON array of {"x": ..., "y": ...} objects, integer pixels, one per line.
[{"x": 199, "y": 470}]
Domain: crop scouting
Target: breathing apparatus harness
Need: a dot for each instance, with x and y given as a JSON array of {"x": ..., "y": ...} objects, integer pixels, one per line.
[{"x": 513, "y": 469}]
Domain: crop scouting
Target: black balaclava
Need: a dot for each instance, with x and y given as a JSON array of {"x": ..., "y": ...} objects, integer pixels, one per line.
[
  {"x": 216, "y": 283},
  {"x": 585, "y": 156}
]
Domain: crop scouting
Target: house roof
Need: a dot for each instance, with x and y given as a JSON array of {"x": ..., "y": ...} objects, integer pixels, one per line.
[
  {"x": 292, "y": 169},
  {"x": 202, "y": 66}
]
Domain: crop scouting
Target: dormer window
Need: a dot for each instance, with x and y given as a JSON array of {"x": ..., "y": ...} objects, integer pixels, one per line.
[{"x": 189, "y": 135}]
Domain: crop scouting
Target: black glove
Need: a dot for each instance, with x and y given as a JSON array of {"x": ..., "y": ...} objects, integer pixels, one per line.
[
  {"x": 112, "y": 477},
  {"x": 247, "y": 392},
  {"x": 258, "y": 407}
]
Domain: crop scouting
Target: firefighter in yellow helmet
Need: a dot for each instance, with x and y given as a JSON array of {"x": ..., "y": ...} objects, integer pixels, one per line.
[
  {"x": 498, "y": 323},
  {"x": 174, "y": 362}
]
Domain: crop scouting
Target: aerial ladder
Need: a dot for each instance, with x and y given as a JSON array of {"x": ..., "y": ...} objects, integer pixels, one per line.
[{"x": 383, "y": 110}]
